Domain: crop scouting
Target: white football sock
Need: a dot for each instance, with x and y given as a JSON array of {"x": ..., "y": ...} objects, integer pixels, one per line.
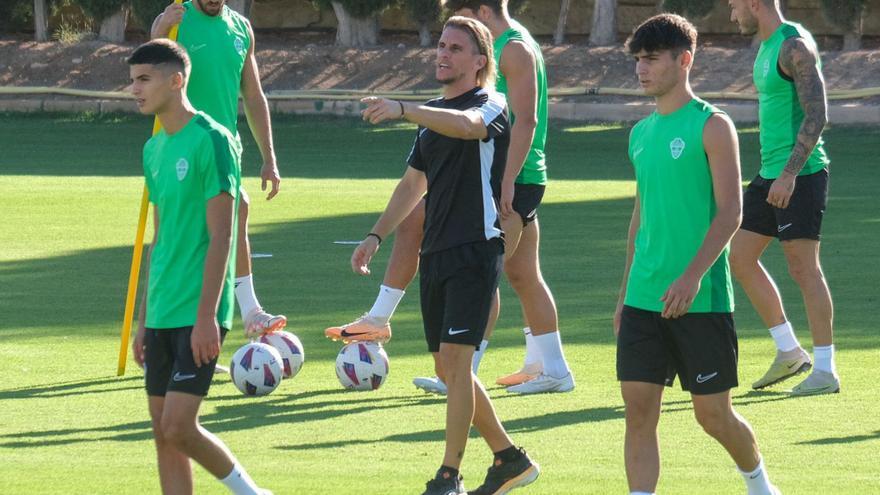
[
  {"x": 240, "y": 483},
  {"x": 478, "y": 355},
  {"x": 783, "y": 335},
  {"x": 533, "y": 353},
  {"x": 824, "y": 358},
  {"x": 244, "y": 294},
  {"x": 386, "y": 303},
  {"x": 757, "y": 481},
  {"x": 550, "y": 347}
]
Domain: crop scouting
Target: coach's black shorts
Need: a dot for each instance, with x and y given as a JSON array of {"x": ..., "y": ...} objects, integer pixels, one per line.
[
  {"x": 526, "y": 200},
  {"x": 802, "y": 219},
  {"x": 701, "y": 348},
  {"x": 457, "y": 287},
  {"x": 169, "y": 364}
]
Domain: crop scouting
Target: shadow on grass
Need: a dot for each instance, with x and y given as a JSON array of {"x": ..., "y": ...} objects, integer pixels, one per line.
[
  {"x": 843, "y": 440},
  {"x": 232, "y": 412},
  {"x": 77, "y": 387}
]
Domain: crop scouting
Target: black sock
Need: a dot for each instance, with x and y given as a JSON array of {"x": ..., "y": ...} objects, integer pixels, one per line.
[
  {"x": 509, "y": 454},
  {"x": 446, "y": 472}
]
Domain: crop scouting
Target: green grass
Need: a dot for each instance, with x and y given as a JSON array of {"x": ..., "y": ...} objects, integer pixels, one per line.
[{"x": 69, "y": 189}]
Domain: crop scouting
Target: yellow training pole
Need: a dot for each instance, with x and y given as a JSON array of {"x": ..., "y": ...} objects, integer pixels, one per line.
[{"x": 136, "y": 256}]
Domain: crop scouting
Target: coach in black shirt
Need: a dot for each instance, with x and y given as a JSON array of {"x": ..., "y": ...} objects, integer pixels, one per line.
[{"x": 458, "y": 158}]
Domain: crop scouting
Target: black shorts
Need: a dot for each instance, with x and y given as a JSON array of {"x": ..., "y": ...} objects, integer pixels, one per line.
[
  {"x": 701, "y": 348},
  {"x": 169, "y": 364},
  {"x": 526, "y": 200},
  {"x": 802, "y": 219},
  {"x": 457, "y": 287}
]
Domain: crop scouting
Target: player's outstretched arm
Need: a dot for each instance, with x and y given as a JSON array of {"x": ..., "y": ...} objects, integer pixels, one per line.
[
  {"x": 406, "y": 195},
  {"x": 457, "y": 124},
  {"x": 800, "y": 62},
  {"x": 518, "y": 66},
  {"x": 722, "y": 149},
  {"x": 170, "y": 17},
  {"x": 256, "y": 110},
  {"x": 206, "y": 333}
]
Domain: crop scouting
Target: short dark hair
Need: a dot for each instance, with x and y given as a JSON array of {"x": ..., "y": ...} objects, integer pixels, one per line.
[
  {"x": 497, "y": 6},
  {"x": 663, "y": 32},
  {"x": 161, "y": 51}
]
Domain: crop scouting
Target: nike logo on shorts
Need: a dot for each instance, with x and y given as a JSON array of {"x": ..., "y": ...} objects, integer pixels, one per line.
[
  {"x": 704, "y": 379},
  {"x": 456, "y": 332},
  {"x": 780, "y": 228},
  {"x": 179, "y": 378}
]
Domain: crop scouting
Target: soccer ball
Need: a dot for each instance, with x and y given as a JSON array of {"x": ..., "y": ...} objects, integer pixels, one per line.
[
  {"x": 290, "y": 348},
  {"x": 256, "y": 369},
  {"x": 362, "y": 366}
]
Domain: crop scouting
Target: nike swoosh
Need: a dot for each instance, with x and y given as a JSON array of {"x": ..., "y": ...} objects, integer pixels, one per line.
[
  {"x": 456, "y": 332},
  {"x": 179, "y": 378},
  {"x": 345, "y": 333},
  {"x": 704, "y": 379},
  {"x": 638, "y": 151},
  {"x": 783, "y": 227},
  {"x": 198, "y": 47}
]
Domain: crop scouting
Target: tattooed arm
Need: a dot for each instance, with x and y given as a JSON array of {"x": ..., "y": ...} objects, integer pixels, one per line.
[{"x": 799, "y": 62}]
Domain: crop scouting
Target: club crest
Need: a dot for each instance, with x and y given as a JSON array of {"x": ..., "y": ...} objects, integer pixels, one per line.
[
  {"x": 766, "y": 68},
  {"x": 676, "y": 147},
  {"x": 182, "y": 168},
  {"x": 239, "y": 45}
]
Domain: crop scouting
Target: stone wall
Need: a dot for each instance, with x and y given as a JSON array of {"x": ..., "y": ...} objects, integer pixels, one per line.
[{"x": 540, "y": 17}]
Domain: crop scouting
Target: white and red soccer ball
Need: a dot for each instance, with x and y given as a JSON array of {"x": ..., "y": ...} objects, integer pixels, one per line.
[
  {"x": 290, "y": 348},
  {"x": 362, "y": 366},
  {"x": 256, "y": 369}
]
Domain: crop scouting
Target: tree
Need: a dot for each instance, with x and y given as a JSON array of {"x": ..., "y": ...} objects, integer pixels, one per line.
[
  {"x": 41, "y": 20},
  {"x": 846, "y": 15},
  {"x": 559, "y": 35},
  {"x": 604, "y": 29},
  {"x": 357, "y": 20},
  {"x": 424, "y": 12},
  {"x": 145, "y": 11},
  {"x": 112, "y": 15}
]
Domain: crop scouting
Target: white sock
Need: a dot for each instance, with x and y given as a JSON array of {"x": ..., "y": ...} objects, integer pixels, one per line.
[
  {"x": 478, "y": 355},
  {"x": 533, "y": 353},
  {"x": 240, "y": 483},
  {"x": 386, "y": 303},
  {"x": 824, "y": 358},
  {"x": 783, "y": 335},
  {"x": 757, "y": 481},
  {"x": 244, "y": 294},
  {"x": 550, "y": 347}
]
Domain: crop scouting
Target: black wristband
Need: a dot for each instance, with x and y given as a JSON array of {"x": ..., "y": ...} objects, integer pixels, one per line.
[
  {"x": 373, "y": 234},
  {"x": 402, "y": 114}
]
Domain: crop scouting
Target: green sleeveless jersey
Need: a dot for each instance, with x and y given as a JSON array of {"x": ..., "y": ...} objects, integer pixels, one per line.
[
  {"x": 677, "y": 206},
  {"x": 534, "y": 169},
  {"x": 218, "y": 46},
  {"x": 183, "y": 171},
  {"x": 779, "y": 110}
]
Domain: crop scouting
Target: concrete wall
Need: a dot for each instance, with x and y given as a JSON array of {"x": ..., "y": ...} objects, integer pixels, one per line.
[{"x": 540, "y": 16}]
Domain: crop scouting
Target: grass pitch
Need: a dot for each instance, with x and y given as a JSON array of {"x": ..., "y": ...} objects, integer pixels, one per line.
[{"x": 69, "y": 192}]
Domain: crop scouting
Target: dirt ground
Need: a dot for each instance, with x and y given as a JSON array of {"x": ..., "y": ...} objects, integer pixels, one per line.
[{"x": 302, "y": 60}]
